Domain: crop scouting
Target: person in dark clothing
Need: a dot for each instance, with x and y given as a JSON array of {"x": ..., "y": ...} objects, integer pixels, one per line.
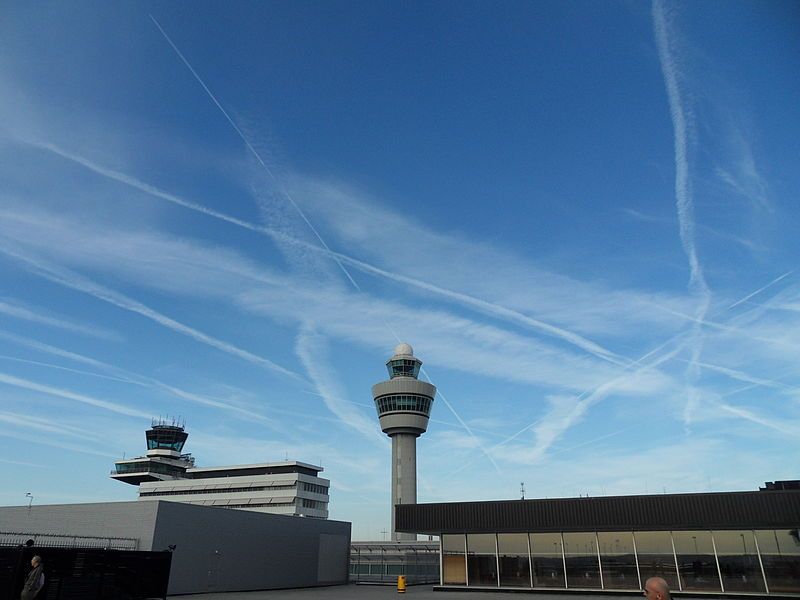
[{"x": 35, "y": 580}]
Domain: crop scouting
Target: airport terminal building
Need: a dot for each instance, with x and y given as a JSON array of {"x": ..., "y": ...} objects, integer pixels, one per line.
[{"x": 744, "y": 543}]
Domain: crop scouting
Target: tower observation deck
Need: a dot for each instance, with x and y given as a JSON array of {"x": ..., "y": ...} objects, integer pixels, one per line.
[{"x": 404, "y": 407}]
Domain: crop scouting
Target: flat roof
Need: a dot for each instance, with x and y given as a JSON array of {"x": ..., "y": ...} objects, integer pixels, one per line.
[
  {"x": 283, "y": 463},
  {"x": 712, "y": 510}
]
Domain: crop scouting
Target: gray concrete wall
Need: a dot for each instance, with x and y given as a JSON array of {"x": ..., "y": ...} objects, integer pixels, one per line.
[
  {"x": 103, "y": 519},
  {"x": 234, "y": 550},
  {"x": 216, "y": 549}
]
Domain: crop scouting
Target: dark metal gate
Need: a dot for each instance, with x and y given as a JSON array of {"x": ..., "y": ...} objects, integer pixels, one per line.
[{"x": 87, "y": 573}]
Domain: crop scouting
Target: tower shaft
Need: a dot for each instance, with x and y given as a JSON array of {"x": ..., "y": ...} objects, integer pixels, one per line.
[{"x": 404, "y": 476}]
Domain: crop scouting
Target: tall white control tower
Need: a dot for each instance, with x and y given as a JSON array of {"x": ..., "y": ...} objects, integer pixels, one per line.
[{"x": 404, "y": 406}]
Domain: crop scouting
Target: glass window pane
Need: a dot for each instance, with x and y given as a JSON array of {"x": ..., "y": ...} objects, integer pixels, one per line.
[
  {"x": 548, "y": 564},
  {"x": 738, "y": 561},
  {"x": 513, "y": 555},
  {"x": 618, "y": 561},
  {"x": 583, "y": 570},
  {"x": 780, "y": 553},
  {"x": 481, "y": 559},
  {"x": 654, "y": 549},
  {"x": 454, "y": 565},
  {"x": 696, "y": 564}
]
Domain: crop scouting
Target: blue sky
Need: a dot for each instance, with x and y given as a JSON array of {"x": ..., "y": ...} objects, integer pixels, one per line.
[{"x": 583, "y": 216}]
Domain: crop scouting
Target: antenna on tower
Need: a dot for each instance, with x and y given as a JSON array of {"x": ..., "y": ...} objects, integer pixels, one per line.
[{"x": 522, "y": 489}]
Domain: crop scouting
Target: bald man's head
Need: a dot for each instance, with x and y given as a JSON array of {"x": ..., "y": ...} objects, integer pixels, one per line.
[{"x": 656, "y": 588}]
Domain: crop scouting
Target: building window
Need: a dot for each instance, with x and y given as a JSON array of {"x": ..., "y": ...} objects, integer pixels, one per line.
[
  {"x": 404, "y": 403},
  {"x": 481, "y": 559},
  {"x": 618, "y": 560},
  {"x": 548, "y": 560},
  {"x": 738, "y": 561},
  {"x": 454, "y": 566},
  {"x": 580, "y": 556},
  {"x": 697, "y": 565},
  {"x": 515, "y": 567},
  {"x": 780, "y": 554},
  {"x": 656, "y": 557}
]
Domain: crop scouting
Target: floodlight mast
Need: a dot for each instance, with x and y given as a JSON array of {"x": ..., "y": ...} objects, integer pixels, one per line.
[{"x": 404, "y": 406}]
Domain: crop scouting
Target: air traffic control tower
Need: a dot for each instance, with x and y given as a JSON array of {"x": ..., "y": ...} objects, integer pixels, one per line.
[{"x": 404, "y": 406}]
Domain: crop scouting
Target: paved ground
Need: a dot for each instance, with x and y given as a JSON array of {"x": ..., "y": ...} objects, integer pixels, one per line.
[{"x": 379, "y": 592}]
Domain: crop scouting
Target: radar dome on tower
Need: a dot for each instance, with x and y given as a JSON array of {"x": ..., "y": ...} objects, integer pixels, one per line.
[{"x": 403, "y": 349}]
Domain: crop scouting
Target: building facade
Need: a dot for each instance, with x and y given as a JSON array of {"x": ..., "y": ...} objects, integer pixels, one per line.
[
  {"x": 212, "y": 550},
  {"x": 727, "y": 542},
  {"x": 290, "y": 488},
  {"x": 404, "y": 407}
]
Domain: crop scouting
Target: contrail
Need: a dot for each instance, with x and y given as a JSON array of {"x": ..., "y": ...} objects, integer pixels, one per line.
[
  {"x": 286, "y": 194},
  {"x": 144, "y": 187},
  {"x": 683, "y": 193},
  {"x": 125, "y": 376},
  {"x": 61, "y": 393},
  {"x": 22, "y": 312},
  {"x": 761, "y": 289},
  {"x": 492, "y": 309},
  {"x": 478, "y": 304},
  {"x": 61, "y": 368},
  {"x": 683, "y": 188},
  {"x": 250, "y": 147},
  {"x": 746, "y": 414},
  {"x": 742, "y": 376},
  {"x": 81, "y": 284}
]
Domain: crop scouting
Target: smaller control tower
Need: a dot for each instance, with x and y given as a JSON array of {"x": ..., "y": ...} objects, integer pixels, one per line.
[
  {"x": 404, "y": 406},
  {"x": 164, "y": 460}
]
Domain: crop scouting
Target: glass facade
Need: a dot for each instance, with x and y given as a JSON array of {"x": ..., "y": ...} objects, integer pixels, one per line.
[
  {"x": 696, "y": 565},
  {"x": 619, "y": 561},
  {"x": 404, "y": 403},
  {"x": 454, "y": 564},
  {"x": 481, "y": 559},
  {"x": 656, "y": 557},
  {"x": 512, "y": 553},
  {"x": 403, "y": 367},
  {"x": 738, "y": 561},
  {"x": 548, "y": 560},
  {"x": 730, "y": 561},
  {"x": 581, "y": 560},
  {"x": 780, "y": 555}
]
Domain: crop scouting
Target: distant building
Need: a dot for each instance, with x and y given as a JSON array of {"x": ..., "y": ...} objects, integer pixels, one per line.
[{"x": 287, "y": 487}]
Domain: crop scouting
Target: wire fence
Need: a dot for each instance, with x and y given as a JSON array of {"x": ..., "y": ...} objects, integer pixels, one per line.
[{"x": 61, "y": 540}]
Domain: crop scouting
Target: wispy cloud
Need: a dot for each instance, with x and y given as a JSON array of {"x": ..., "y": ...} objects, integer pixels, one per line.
[
  {"x": 127, "y": 376},
  {"x": 14, "y": 308},
  {"x": 312, "y": 350},
  {"x": 743, "y": 175},
  {"x": 73, "y": 280}
]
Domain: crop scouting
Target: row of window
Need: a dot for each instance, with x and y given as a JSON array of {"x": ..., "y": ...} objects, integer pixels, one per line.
[
  {"x": 148, "y": 467},
  {"x": 319, "y": 505},
  {"x": 403, "y": 368},
  {"x": 755, "y": 561},
  {"x": 220, "y": 490},
  {"x": 403, "y": 402},
  {"x": 315, "y": 488},
  {"x": 259, "y": 505}
]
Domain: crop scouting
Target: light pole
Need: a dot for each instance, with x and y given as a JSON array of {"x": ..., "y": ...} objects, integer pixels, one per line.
[{"x": 29, "y": 495}]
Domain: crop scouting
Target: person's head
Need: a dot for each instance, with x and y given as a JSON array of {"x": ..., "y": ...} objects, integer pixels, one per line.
[
  {"x": 656, "y": 588},
  {"x": 36, "y": 561}
]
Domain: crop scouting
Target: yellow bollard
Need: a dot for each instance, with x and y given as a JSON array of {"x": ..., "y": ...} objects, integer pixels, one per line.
[{"x": 401, "y": 584}]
